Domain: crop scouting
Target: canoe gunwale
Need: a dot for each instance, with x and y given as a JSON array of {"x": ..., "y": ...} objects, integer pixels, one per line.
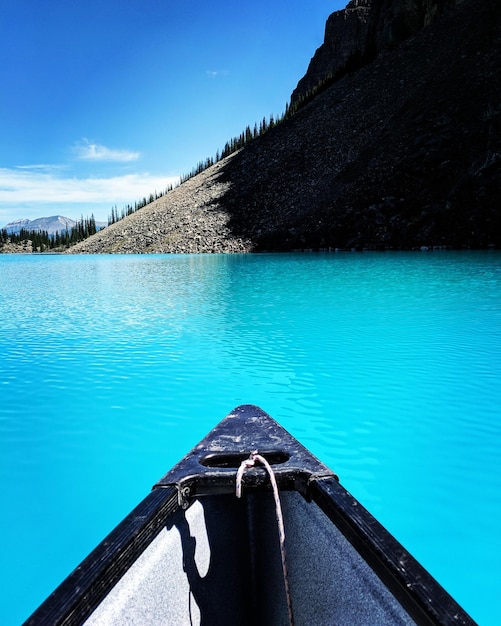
[{"x": 81, "y": 592}]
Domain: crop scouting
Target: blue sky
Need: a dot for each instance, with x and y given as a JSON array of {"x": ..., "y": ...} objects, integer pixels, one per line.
[{"x": 105, "y": 101}]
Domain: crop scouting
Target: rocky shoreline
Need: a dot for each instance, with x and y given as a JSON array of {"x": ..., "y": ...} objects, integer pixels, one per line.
[{"x": 25, "y": 247}]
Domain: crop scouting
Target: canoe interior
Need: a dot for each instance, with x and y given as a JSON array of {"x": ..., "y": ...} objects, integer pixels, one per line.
[{"x": 219, "y": 563}]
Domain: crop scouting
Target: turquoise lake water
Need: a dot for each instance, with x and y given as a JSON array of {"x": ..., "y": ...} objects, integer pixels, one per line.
[{"x": 386, "y": 365}]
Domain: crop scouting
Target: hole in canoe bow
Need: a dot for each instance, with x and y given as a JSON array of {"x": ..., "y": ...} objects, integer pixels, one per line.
[{"x": 234, "y": 459}]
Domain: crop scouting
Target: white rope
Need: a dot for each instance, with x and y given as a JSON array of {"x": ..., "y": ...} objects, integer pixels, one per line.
[{"x": 251, "y": 462}]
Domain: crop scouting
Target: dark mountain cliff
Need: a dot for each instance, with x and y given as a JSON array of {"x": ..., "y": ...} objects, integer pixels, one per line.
[
  {"x": 365, "y": 28},
  {"x": 402, "y": 150}
]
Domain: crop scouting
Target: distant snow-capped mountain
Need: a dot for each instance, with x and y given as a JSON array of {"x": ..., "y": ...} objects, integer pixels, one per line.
[
  {"x": 15, "y": 226},
  {"x": 53, "y": 224}
]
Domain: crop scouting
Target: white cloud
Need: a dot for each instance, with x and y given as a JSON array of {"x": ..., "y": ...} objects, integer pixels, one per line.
[
  {"x": 18, "y": 186},
  {"x": 216, "y": 73},
  {"x": 87, "y": 151},
  {"x": 45, "y": 167},
  {"x": 31, "y": 190}
]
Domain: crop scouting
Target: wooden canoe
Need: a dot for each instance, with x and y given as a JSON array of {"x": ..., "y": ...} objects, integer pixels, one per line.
[{"x": 193, "y": 553}]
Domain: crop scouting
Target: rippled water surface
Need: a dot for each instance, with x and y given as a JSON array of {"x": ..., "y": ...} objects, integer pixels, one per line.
[{"x": 387, "y": 366}]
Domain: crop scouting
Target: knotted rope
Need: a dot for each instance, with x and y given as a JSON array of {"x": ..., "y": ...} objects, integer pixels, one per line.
[{"x": 251, "y": 462}]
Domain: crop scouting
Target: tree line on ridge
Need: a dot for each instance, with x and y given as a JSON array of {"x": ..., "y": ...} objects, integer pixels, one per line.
[{"x": 230, "y": 147}]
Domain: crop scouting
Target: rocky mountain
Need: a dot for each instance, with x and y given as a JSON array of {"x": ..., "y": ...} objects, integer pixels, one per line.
[
  {"x": 53, "y": 224},
  {"x": 365, "y": 28},
  {"x": 399, "y": 148}
]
